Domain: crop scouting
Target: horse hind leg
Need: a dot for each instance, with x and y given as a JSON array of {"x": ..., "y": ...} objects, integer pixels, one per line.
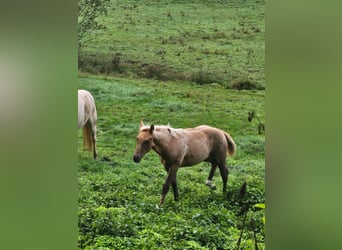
[
  {"x": 93, "y": 133},
  {"x": 94, "y": 151},
  {"x": 175, "y": 190},
  {"x": 89, "y": 134},
  {"x": 209, "y": 181},
  {"x": 224, "y": 175}
]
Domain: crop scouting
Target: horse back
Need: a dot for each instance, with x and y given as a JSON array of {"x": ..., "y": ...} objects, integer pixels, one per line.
[
  {"x": 200, "y": 143},
  {"x": 216, "y": 138}
]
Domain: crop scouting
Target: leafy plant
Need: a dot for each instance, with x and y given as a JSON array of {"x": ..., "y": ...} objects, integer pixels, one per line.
[
  {"x": 250, "y": 220},
  {"x": 261, "y": 126},
  {"x": 88, "y": 12}
]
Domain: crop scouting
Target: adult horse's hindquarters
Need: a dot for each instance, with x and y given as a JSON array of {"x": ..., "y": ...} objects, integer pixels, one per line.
[{"x": 87, "y": 117}]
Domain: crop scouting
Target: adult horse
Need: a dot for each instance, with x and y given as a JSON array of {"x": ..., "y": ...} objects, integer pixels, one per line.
[
  {"x": 185, "y": 147},
  {"x": 87, "y": 117}
]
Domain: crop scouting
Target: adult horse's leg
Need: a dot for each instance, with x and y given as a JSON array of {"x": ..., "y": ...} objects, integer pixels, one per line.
[
  {"x": 93, "y": 137},
  {"x": 171, "y": 179},
  {"x": 94, "y": 150},
  {"x": 209, "y": 181}
]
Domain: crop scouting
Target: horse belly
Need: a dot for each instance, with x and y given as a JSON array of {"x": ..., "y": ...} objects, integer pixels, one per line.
[
  {"x": 194, "y": 158},
  {"x": 190, "y": 162},
  {"x": 197, "y": 149}
]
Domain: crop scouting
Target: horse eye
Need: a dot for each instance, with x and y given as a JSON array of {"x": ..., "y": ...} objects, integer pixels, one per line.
[{"x": 145, "y": 143}]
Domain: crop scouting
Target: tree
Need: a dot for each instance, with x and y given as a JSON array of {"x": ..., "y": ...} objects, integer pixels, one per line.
[{"x": 88, "y": 11}]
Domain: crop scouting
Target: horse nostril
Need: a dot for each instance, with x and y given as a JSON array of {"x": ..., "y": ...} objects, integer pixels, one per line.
[{"x": 136, "y": 158}]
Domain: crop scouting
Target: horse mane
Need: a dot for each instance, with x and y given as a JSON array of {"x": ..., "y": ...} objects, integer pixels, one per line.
[
  {"x": 144, "y": 128},
  {"x": 159, "y": 128}
]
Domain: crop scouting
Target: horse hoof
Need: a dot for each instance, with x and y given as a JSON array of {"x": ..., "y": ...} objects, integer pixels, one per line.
[
  {"x": 210, "y": 184},
  {"x": 105, "y": 158}
]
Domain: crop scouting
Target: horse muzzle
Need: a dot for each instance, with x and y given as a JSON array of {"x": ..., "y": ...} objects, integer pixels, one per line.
[{"x": 136, "y": 158}]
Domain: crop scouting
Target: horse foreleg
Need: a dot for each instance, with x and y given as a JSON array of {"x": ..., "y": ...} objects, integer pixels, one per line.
[
  {"x": 171, "y": 179},
  {"x": 174, "y": 182},
  {"x": 209, "y": 181}
]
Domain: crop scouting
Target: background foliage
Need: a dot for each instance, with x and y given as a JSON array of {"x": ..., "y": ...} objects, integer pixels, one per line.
[{"x": 88, "y": 11}]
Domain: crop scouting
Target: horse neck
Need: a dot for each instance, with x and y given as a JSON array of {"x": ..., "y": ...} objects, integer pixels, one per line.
[{"x": 161, "y": 139}]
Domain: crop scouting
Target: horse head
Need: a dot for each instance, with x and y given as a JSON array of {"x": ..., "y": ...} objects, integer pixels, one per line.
[{"x": 144, "y": 142}]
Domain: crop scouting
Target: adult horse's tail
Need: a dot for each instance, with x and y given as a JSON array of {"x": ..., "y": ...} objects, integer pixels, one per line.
[
  {"x": 88, "y": 142},
  {"x": 231, "y": 144}
]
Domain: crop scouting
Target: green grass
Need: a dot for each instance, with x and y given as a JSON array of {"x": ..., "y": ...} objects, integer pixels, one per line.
[
  {"x": 118, "y": 198},
  {"x": 177, "y": 62},
  {"x": 199, "y": 41}
]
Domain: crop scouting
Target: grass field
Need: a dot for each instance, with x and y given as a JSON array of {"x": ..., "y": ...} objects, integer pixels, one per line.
[
  {"x": 118, "y": 198},
  {"x": 198, "y": 41},
  {"x": 185, "y": 63}
]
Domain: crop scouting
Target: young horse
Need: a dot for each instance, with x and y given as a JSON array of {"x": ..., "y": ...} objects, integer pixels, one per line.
[
  {"x": 87, "y": 117},
  {"x": 185, "y": 147}
]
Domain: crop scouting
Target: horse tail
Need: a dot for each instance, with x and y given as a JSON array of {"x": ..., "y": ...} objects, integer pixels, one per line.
[
  {"x": 231, "y": 144},
  {"x": 87, "y": 137}
]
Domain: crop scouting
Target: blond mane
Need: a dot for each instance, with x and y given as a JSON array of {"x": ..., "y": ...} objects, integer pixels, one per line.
[{"x": 160, "y": 128}]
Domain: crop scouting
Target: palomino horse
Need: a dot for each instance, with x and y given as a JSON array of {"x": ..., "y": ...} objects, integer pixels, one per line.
[
  {"x": 185, "y": 147},
  {"x": 87, "y": 117}
]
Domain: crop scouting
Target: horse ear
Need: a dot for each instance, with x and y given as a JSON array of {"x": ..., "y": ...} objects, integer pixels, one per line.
[
  {"x": 141, "y": 123},
  {"x": 151, "y": 128},
  {"x": 171, "y": 131}
]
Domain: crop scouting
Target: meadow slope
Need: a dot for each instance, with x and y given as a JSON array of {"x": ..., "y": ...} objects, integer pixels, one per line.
[{"x": 199, "y": 41}]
